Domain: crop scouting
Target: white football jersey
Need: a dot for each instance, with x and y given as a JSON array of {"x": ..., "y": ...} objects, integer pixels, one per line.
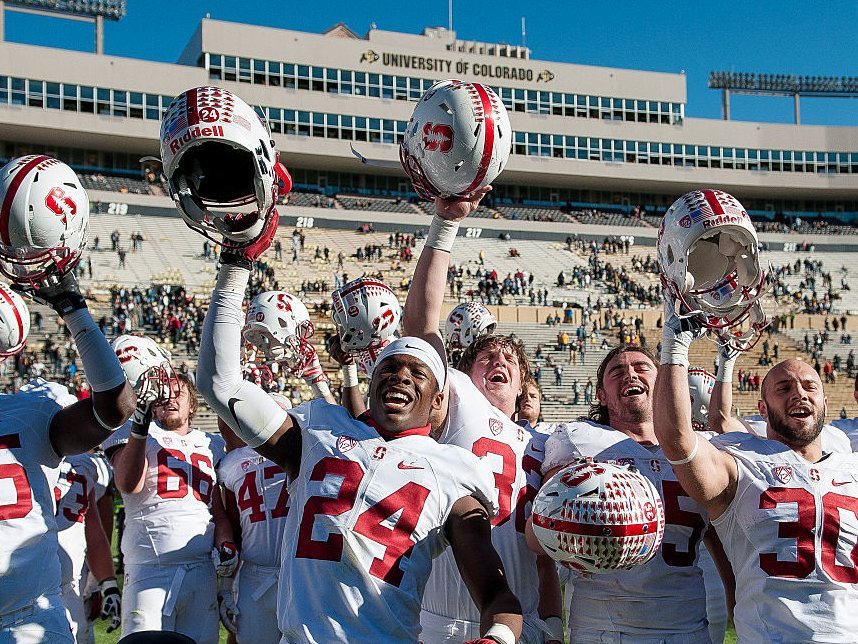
[
  {"x": 73, "y": 491},
  {"x": 791, "y": 533},
  {"x": 29, "y": 565},
  {"x": 258, "y": 489},
  {"x": 670, "y": 585},
  {"x": 169, "y": 521},
  {"x": 367, "y": 517},
  {"x": 105, "y": 474},
  {"x": 848, "y": 426},
  {"x": 834, "y": 436},
  {"x": 514, "y": 456}
]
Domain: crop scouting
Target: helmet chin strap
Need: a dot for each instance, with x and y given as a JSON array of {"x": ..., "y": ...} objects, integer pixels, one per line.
[{"x": 189, "y": 200}]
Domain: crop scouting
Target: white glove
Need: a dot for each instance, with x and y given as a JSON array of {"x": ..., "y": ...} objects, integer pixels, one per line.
[
  {"x": 727, "y": 356},
  {"x": 227, "y": 607},
  {"x": 142, "y": 415},
  {"x": 111, "y": 603},
  {"x": 316, "y": 377},
  {"x": 677, "y": 333},
  {"x": 225, "y": 559}
]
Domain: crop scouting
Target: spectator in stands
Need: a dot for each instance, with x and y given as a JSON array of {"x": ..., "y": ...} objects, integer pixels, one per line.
[
  {"x": 558, "y": 375},
  {"x": 588, "y": 391},
  {"x": 114, "y": 240}
]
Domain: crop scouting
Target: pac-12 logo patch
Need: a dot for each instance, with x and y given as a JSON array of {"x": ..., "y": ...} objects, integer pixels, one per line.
[
  {"x": 346, "y": 443},
  {"x": 783, "y": 473}
]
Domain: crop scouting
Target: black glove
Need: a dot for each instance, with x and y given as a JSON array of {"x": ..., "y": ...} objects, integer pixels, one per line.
[{"x": 62, "y": 295}]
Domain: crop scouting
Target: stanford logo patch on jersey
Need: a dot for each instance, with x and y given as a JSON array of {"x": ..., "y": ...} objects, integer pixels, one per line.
[
  {"x": 245, "y": 465},
  {"x": 782, "y": 473},
  {"x": 346, "y": 443},
  {"x": 495, "y": 425}
]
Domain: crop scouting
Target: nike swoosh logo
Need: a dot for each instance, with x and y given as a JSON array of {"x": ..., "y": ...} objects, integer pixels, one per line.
[
  {"x": 536, "y": 449},
  {"x": 231, "y": 404},
  {"x": 839, "y": 483},
  {"x": 403, "y": 466}
]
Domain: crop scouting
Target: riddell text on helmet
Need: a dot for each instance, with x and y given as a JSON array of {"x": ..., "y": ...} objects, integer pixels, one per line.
[
  {"x": 194, "y": 133},
  {"x": 720, "y": 220}
]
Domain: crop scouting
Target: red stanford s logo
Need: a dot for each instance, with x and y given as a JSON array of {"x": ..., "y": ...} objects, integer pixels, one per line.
[
  {"x": 578, "y": 475},
  {"x": 437, "y": 136},
  {"x": 59, "y": 203}
]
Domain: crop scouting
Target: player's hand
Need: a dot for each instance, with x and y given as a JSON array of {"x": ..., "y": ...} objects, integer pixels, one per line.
[
  {"x": 142, "y": 416},
  {"x": 246, "y": 255},
  {"x": 111, "y": 604},
  {"x": 335, "y": 350},
  {"x": 228, "y": 610},
  {"x": 225, "y": 558},
  {"x": 457, "y": 208},
  {"x": 678, "y": 332},
  {"x": 62, "y": 295}
]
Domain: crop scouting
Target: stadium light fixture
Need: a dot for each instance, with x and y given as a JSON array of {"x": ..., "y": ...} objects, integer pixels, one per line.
[{"x": 107, "y": 9}]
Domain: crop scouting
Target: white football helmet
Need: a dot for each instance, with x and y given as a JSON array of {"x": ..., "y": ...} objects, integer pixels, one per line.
[
  {"x": 222, "y": 169},
  {"x": 700, "y": 384},
  {"x": 43, "y": 221},
  {"x": 457, "y": 141},
  {"x": 366, "y": 313},
  {"x": 147, "y": 367},
  {"x": 14, "y": 322},
  {"x": 278, "y": 325},
  {"x": 466, "y": 323},
  {"x": 598, "y": 517},
  {"x": 709, "y": 258}
]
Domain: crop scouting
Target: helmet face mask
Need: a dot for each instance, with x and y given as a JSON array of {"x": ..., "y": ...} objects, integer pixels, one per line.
[
  {"x": 457, "y": 141},
  {"x": 598, "y": 517},
  {"x": 43, "y": 229},
  {"x": 278, "y": 325},
  {"x": 14, "y": 322},
  {"x": 222, "y": 168},
  {"x": 147, "y": 367}
]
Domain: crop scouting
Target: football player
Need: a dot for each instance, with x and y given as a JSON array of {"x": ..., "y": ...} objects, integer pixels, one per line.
[
  {"x": 620, "y": 428},
  {"x": 42, "y": 230},
  {"x": 165, "y": 471},
  {"x": 373, "y": 500},
  {"x": 257, "y": 503},
  {"x": 476, "y": 414},
  {"x": 779, "y": 503}
]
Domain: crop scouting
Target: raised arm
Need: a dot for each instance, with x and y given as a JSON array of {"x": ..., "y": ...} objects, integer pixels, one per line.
[
  {"x": 85, "y": 424},
  {"x": 243, "y": 405},
  {"x": 469, "y": 531},
  {"x": 708, "y": 475},
  {"x": 426, "y": 295},
  {"x": 721, "y": 419}
]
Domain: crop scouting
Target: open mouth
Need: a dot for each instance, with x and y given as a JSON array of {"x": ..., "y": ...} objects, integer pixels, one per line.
[
  {"x": 396, "y": 399},
  {"x": 801, "y": 412},
  {"x": 633, "y": 390},
  {"x": 498, "y": 376}
]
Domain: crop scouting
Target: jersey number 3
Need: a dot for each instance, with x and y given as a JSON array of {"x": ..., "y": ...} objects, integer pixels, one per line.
[{"x": 407, "y": 501}]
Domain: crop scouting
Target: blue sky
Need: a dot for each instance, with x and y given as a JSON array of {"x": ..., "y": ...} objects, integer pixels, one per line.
[{"x": 763, "y": 36}]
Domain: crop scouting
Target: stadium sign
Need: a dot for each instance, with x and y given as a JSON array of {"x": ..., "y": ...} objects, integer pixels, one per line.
[{"x": 460, "y": 67}]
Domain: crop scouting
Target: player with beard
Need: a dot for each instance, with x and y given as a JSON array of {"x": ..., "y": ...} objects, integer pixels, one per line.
[
  {"x": 476, "y": 414},
  {"x": 662, "y": 600},
  {"x": 165, "y": 471},
  {"x": 784, "y": 509},
  {"x": 373, "y": 500}
]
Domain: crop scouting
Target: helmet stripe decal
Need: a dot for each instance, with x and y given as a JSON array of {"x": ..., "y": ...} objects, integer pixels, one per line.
[
  {"x": 713, "y": 202},
  {"x": 488, "y": 141},
  {"x": 10, "y": 196},
  {"x": 634, "y": 529},
  {"x": 191, "y": 107},
  {"x": 8, "y": 299}
]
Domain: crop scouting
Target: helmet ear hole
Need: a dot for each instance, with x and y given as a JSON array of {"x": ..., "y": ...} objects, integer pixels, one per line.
[{"x": 670, "y": 256}]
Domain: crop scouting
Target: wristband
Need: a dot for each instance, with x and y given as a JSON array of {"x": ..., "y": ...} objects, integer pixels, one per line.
[
  {"x": 690, "y": 457},
  {"x": 554, "y": 628},
  {"x": 501, "y": 633},
  {"x": 320, "y": 388},
  {"x": 442, "y": 234},
  {"x": 102, "y": 423},
  {"x": 232, "y": 278},
  {"x": 725, "y": 371},
  {"x": 350, "y": 375}
]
